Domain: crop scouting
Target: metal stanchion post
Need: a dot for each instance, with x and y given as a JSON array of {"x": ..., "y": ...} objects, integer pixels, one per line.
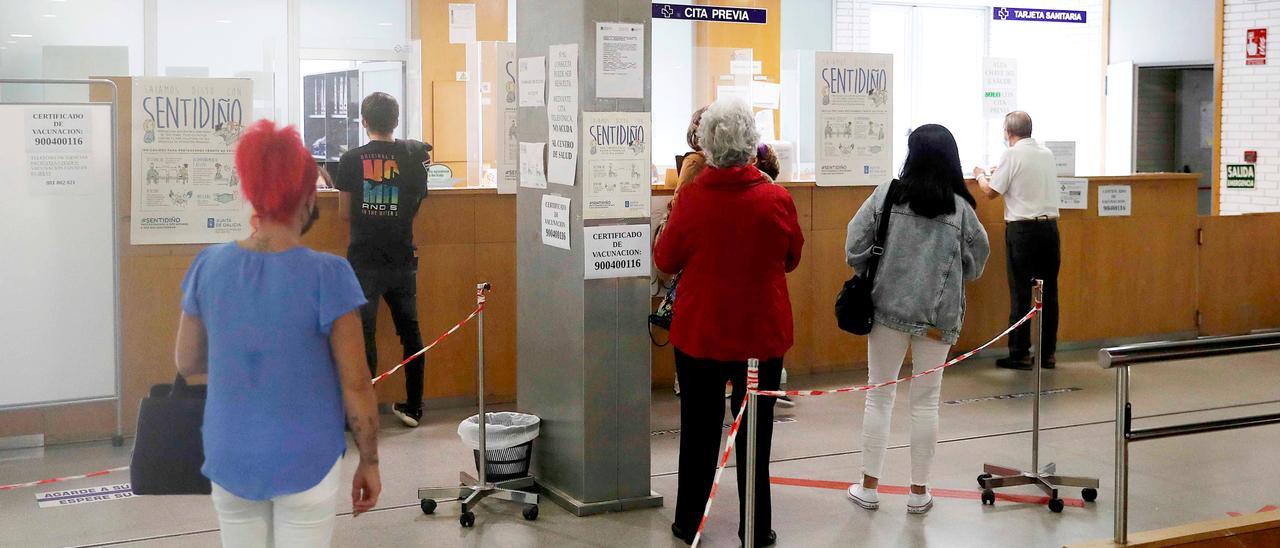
[
  {"x": 484, "y": 455},
  {"x": 1123, "y": 416},
  {"x": 753, "y": 422},
  {"x": 1047, "y": 479},
  {"x": 473, "y": 490},
  {"x": 1037, "y": 327}
]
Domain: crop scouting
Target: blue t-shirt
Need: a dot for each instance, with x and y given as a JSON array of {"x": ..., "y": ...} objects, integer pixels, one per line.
[{"x": 273, "y": 423}]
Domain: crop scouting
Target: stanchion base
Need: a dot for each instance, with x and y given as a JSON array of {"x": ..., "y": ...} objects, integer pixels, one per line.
[
  {"x": 996, "y": 476},
  {"x": 471, "y": 492}
]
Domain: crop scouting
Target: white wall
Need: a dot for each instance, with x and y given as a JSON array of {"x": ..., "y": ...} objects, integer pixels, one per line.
[
  {"x": 1250, "y": 108},
  {"x": 1162, "y": 31}
]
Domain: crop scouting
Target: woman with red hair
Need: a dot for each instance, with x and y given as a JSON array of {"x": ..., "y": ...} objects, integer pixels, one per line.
[{"x": 276, "y": 327}]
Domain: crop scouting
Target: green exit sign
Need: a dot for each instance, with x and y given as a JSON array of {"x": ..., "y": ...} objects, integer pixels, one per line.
[{"x": 1240, "y": 176}]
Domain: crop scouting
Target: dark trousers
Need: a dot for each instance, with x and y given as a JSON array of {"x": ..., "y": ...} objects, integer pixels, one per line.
[
  {"x": 701, "y": 425},
  {"x": 399, "y": 287},
  {"x": 1034, "y": 254}
]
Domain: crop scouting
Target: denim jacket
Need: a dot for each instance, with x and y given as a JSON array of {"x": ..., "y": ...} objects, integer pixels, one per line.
[{"x": 919, "y": 287}]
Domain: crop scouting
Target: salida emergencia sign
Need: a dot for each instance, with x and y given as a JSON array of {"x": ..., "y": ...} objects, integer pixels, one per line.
[
  {"x": 1240, "y": 176},
  {"x": 1032, "y": 14},
  {"x": 717, "y": 14}
]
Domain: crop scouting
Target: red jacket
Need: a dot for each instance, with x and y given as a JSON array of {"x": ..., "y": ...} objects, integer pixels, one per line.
[{"x": 733, "y": 235}]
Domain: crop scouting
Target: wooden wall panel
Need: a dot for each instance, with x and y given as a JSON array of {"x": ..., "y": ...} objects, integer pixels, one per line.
[
  {"x": 1239, "y": 273},
  {"x": 1121, "y": 277}
]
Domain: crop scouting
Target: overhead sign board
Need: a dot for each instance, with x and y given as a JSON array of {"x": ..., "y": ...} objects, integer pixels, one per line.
[
  {"x": 715, "y": 14},
  {"x": 1042, "y": 15}
]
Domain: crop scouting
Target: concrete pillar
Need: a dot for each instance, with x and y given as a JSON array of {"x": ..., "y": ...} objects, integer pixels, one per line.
[{"x": 584, "y": 353}]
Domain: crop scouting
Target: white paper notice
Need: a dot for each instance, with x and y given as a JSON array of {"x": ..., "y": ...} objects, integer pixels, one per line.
[
  {"x": 562, "y": 115},
  {"x": 532, "y": 174},
  {"x": 765, "y": 94},
  {"x": 615, "y": 167},
  {"x": 555, "y": 221},
  {"x": 1064, "y": 156},
  {"x": 999, "y": 86},
  {"x": 620, "y": 60},
  {"x": 1115, "y": 201},
  {"x": 733, "y": 93},
  {"x": 741, "y": 67},
  {"x": 854, "y": 120},
  {"x": 508, "y": 145},
  {"x": 1073, "y": 193},
  {"x": 533, "y": 81},
  {"x": 764, "y": 124},
  {"x": 620, "y": 251},
  {"x": 59, "y": 141},
  {"x": 185, "y": 186},
  {"x": 462, "y": 23}
]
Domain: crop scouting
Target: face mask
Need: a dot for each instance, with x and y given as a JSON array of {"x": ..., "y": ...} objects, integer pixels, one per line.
[{"x": 315, "y": 216}]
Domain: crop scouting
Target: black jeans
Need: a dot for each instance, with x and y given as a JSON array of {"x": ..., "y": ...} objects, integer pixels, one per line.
[
  {"x": 1034, "y": 253},
  {"x": 701, "y": 423},
  {"x": 399, "y": 287}
]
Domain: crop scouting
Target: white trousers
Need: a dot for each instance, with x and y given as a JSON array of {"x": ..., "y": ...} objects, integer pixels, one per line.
[
  {"x": 885, "y": 351},
  {"x": 298, "y": 520}
]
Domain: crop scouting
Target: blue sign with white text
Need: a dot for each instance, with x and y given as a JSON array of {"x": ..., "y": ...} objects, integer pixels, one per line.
[
  {"x": 718, "y": 14},
  {"x": 1032, "y": 14}
]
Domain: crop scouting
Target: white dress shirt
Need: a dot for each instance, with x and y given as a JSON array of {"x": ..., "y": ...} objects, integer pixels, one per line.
[{"x": 1028, "y": 180}]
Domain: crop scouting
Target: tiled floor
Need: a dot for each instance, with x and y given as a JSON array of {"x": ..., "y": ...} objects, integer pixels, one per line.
[{"x": 1172, "y": 481}]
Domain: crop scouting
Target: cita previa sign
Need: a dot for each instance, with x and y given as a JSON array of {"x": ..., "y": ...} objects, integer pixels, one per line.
[{"x": 716, "y": 14}]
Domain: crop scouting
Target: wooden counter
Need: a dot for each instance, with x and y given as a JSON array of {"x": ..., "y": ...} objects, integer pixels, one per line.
[{"x": 1122, "y": 277}]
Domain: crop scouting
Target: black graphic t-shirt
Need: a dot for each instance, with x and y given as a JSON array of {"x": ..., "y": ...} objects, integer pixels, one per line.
[{"x": 387, "y": 181}]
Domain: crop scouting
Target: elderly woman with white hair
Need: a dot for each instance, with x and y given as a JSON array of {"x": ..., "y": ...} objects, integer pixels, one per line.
[{"x": 734, "y": 236}]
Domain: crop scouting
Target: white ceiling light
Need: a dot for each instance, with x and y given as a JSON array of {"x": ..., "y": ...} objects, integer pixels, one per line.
[
  {"x": 20, "y": 35},
  {"x": 223, "y": 21},
  {"x": 50, "y": 15},
  {"x": 384, "y": 24}
]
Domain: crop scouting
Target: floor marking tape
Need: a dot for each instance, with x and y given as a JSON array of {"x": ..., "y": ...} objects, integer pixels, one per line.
[{"x": 965, "y": 494}]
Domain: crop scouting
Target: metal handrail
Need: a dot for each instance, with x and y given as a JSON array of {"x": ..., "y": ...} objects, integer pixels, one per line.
[
  {"x": 1181, "y": 350},
  {"x": 1121, "y": 357}
]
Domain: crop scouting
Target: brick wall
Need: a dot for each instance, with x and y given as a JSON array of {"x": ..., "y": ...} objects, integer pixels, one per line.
[{"x": 1250, "y": 107}]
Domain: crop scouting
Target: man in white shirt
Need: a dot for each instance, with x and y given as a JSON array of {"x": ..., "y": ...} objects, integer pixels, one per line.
[{"x": 1027, "y": 179}]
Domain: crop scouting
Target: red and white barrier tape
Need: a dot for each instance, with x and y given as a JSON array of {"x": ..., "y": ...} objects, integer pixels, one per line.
[
  {"x": 424, "y": 350},
  {"x": 863, "y": 388},
  {"x": 724, "y": 461},
  {"x": 388, "y": 373},
  {"x": 752, "y": 379},
  {"x": 62, "y": 479}
]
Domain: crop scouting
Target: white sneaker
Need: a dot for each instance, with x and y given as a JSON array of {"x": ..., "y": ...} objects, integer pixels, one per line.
[
  {"x": 786, "y": 401},
  {"x": 866, "y": 498},
  {"x": 919, "y": 504}
]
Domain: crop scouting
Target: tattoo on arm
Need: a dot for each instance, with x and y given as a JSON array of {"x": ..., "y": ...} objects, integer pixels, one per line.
[{"x": 365, "y": 433}]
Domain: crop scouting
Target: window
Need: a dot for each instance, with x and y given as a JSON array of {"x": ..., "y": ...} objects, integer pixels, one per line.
[
  {"x": 938, "y": 57},
  {"x": 66, "y": 40},
  {"x": 937, "y": 67}
]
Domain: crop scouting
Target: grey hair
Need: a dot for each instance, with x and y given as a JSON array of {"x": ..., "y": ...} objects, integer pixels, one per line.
[
  {"x": 728, "y": 134},
  {"x": 1018, "y": 124}
]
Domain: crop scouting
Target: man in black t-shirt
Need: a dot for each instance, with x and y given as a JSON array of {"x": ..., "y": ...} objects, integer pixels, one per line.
[{"x": 382, "y": 184}]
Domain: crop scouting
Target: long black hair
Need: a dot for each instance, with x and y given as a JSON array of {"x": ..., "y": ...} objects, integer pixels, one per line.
[{"x": 931, "y": 175}]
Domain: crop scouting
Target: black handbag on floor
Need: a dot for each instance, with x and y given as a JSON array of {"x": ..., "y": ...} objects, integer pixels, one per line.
[
  {"x": 855, "y": 312},
  {"x": 169, "y": 450}
]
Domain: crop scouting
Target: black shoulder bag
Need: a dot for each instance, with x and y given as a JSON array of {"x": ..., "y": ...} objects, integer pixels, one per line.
[
  {"x": 855, "y": 312},
  {"x": 169, "y": 450}
]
